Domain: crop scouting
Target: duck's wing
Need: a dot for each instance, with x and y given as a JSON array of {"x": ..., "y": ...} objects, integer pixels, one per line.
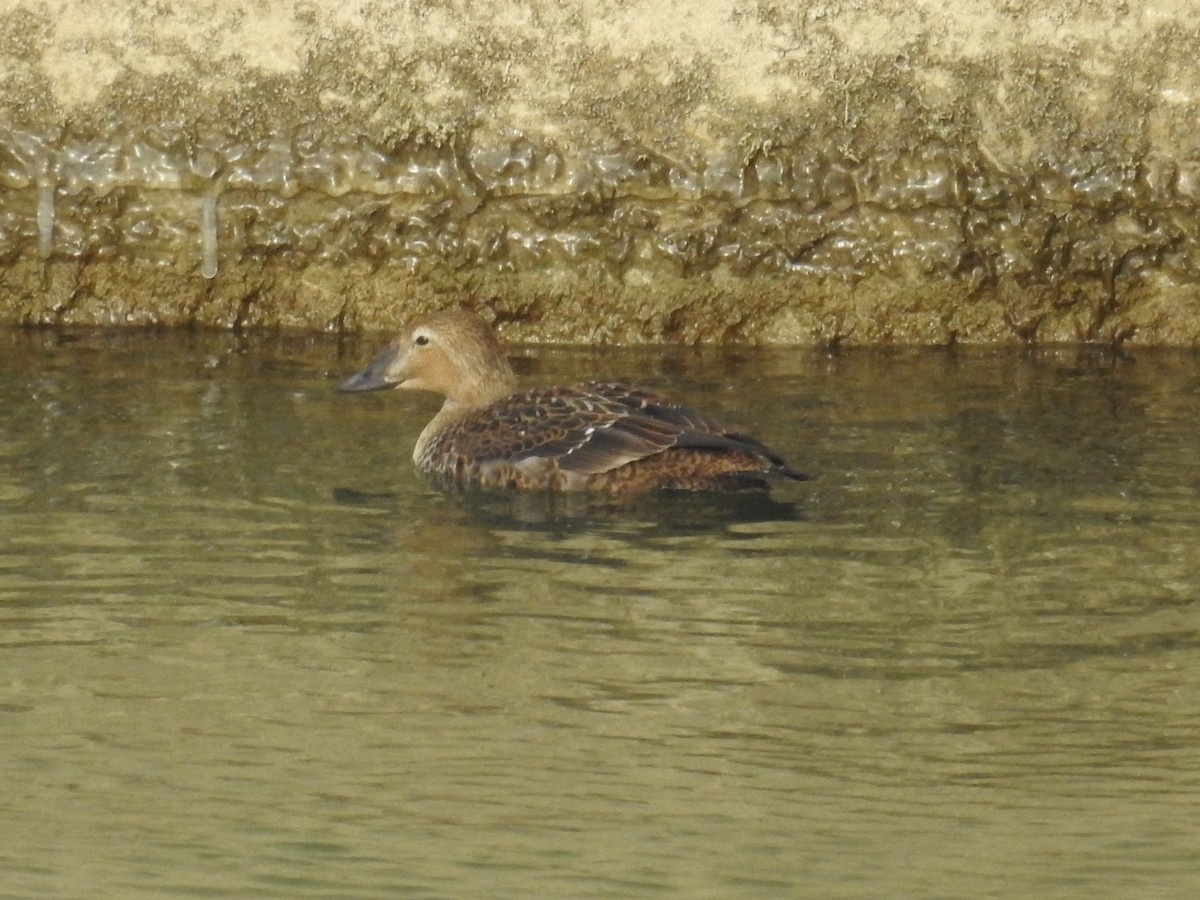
[
  {"x": 582, "y": 431},
  {"x": 596, "y": 428},
  {"x": 695, "y": 430},
  {"x": 684, "y": 418}
]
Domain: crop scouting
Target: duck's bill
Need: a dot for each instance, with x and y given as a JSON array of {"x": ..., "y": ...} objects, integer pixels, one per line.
[{"x": 373, "y": 377}]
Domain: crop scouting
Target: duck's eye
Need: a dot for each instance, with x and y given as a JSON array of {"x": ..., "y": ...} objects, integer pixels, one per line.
[{"x": 421, "y": 340}]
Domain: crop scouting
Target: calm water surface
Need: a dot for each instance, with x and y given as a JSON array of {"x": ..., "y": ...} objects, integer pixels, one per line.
[{"x": 246, "y": 651}]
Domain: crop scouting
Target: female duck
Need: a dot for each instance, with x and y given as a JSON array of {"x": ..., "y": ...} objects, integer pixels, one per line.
[{"x": 595, "y": 437}]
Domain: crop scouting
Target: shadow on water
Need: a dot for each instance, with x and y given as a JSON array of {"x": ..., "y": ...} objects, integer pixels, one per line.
[{"x": 666, "y": 512}]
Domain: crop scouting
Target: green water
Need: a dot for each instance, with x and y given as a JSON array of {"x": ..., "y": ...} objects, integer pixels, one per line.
[{"x": 246, "y": 651}]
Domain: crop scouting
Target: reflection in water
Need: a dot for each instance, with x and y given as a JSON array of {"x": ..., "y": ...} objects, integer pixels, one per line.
[
  {"x": 670, "y": 512},
  {"x": 249, "y": 652}
]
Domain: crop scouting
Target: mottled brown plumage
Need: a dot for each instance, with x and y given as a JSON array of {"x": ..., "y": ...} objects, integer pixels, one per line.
[{"x": 597, "y": 437}]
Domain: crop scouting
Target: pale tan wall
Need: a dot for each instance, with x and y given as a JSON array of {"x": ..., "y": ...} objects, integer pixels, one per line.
[{"x": 844, "y": 171}]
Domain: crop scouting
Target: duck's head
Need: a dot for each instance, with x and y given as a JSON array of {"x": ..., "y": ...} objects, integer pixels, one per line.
[{"x": 452, "y": 353}]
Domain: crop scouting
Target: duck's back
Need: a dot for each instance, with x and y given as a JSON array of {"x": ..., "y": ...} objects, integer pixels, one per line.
[{"x": 599, "y": 437}]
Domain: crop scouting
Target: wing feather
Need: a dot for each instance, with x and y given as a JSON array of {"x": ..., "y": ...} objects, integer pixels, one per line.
[{"x": 593, "y": 429}]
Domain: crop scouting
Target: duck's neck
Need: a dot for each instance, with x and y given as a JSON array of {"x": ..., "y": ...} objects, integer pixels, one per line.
[
  {"x": 481, "y": 392},
  {"x": 458, "y": 407}
]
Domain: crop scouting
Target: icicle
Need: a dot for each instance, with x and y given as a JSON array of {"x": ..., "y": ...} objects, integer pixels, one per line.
[
  {"x": 45, "y": 217},
  {"x": 208, "y": 235}
]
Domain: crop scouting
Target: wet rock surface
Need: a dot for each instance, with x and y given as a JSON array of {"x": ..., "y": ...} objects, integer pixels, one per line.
[{"x": 804, "y": 175}]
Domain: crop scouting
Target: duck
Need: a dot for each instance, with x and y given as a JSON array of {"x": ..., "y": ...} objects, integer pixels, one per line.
[{"x": 601, "y": 436}]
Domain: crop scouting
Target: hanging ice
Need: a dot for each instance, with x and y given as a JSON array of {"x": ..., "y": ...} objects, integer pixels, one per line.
[
  {"x": 208, "y": 236},
  {"x": 45, "y": 217}
]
